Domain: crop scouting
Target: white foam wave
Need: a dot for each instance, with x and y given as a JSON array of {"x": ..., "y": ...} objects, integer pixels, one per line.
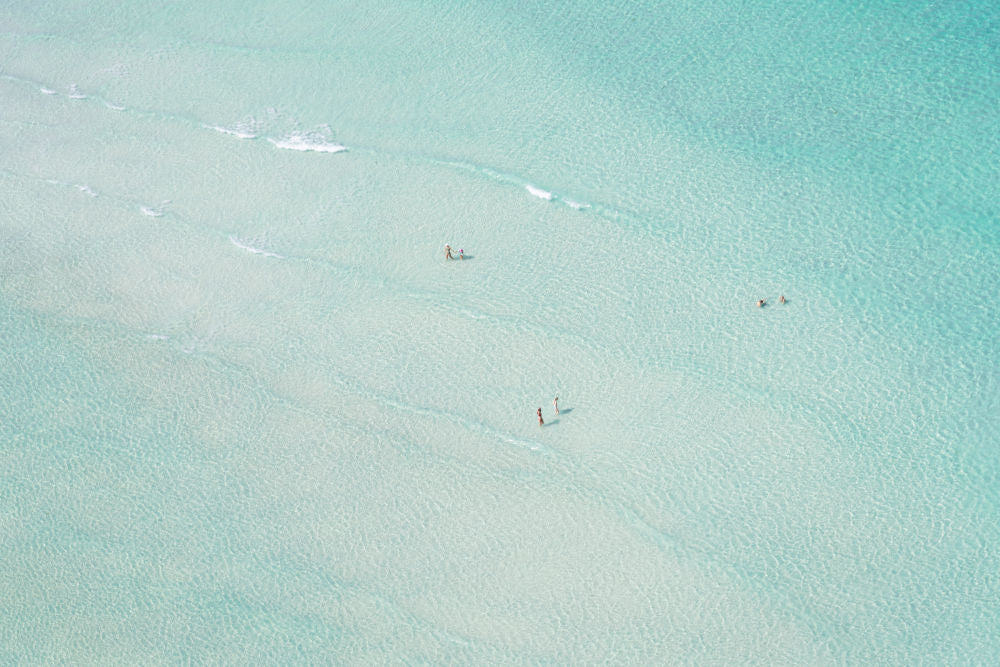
[
  {"x": 300, "y": 142},
  {"x": 575, "y": 204},
  {"x": 538, "y": 192},
  {"x": 85, "y": 189},
  {"x": 249, "y": 248},
  {"x": 75, "y": 94},
  {"x": 151, "y": 212},
  {"x": 242, "y": 134},
  {"x": 115, "y": 107},
  {"x": 157, "y": 336},
  {"x": 47, "y": 91}
]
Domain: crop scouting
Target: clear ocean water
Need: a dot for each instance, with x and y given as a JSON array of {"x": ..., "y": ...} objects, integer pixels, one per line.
[{"x": 250, "y": 414}]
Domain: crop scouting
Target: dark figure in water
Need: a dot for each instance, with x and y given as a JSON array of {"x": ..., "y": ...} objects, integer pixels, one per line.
[
  {"x": 447, "y": 252},
  {"x": 541, "y": 422},
  {"x": 761, "y": 302}
]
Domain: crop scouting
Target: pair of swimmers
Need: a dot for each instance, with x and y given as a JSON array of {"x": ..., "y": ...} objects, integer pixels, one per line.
[
  {"x": 448, "y": 255},
  {"x": 555, "y": 406},
  {"x": 762, "y": 302}
]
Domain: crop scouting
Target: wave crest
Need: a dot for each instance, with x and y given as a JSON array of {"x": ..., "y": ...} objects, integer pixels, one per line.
[
  {"x": 307, "y": 142},
  {"x": 249, "y": 248}
]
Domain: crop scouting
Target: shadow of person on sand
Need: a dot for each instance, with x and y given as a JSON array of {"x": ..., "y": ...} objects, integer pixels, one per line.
[{"x": 565, "y": 411}]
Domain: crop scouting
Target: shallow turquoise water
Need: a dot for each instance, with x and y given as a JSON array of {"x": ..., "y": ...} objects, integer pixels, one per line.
[{"x": 251, "y": 414}]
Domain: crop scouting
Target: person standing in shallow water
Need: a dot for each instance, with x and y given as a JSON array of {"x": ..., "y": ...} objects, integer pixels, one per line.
[
  {"x": 447, "y": 252},
  {"x": 555, "y": 404},
  {"x": 541, "y": 422}
]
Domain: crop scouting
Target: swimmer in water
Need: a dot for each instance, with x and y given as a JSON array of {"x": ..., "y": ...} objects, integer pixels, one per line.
[
  {"x": 447, "y": 252},
  {"x": 461, "y": 254},
  {"x": 781, "y": 299},
  {"x": 555, "y": 404},
  {"x": 541, "y": 422},
  {"x": 761, "y": 302}
]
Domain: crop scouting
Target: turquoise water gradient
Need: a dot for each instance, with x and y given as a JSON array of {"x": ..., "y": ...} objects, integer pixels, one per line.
[{"x": 249, "y": 413}]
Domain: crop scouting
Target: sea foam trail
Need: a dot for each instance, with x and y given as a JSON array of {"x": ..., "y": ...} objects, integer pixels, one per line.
[
  {"x": 538, "y": 192},
  {"x": 298, "y": 142},
  {"x": 154, "y": 211},
  {"x": 533, "y": 190},
  {"x": 551, "y": 196},
  {"x": 249, "y": 248},
  {"x": 241, "y": 134}
]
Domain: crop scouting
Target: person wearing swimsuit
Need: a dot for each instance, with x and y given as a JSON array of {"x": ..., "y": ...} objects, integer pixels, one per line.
[{"x": 541, "y": 422}]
